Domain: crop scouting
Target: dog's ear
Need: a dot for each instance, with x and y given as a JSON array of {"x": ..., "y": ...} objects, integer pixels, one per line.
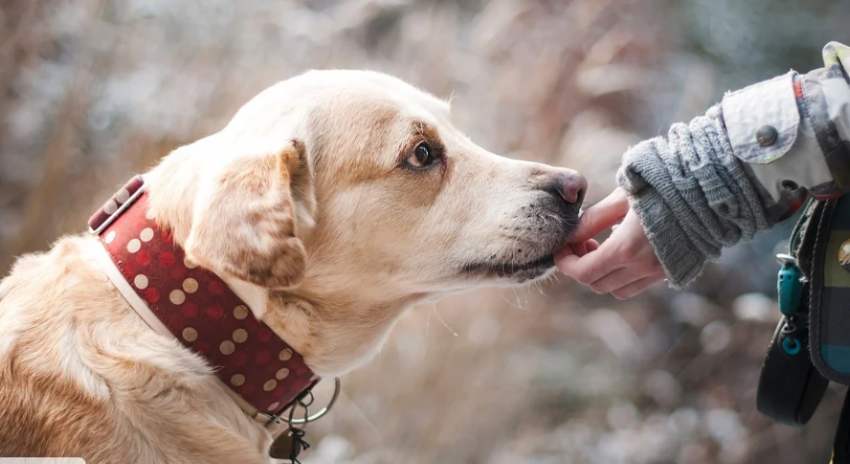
[{"x": 246, "y": 222}]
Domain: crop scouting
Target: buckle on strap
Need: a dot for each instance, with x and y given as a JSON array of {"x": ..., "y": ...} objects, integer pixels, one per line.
[
  {"x": 789, "y": 285},
  {"x": 292, "y": 421},
  {"x": 117, "y": 204}
]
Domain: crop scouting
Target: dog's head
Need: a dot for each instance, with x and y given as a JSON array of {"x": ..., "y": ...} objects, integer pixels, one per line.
[{"x": 350, "y": 195}]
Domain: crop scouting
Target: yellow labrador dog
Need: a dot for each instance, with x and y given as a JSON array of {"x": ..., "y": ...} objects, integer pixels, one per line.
[{"x": 330, "y": 203}]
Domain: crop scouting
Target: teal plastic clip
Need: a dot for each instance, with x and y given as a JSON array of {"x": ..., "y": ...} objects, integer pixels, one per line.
[
  {"x": 789, "y": 285},
  {"x": 792, "y": 346}
]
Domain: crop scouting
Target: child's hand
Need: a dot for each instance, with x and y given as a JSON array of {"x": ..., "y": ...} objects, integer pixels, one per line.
[{"x": 625, "y": 264}]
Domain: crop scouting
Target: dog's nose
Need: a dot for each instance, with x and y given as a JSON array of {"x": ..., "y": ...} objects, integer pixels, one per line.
[{"x": 571, "y": 186}]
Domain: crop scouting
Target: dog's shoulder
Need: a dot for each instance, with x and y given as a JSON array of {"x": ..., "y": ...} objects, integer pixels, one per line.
[
  {"x": 40, "y": 368},
  {"x": 82, "y": 375}
]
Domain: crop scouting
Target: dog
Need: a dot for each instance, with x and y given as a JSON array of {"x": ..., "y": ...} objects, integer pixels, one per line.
[{"x": 329, "y": 204}]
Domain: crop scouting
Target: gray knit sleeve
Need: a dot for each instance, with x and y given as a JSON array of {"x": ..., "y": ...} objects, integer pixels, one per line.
[{"x": 692, "y": 195}]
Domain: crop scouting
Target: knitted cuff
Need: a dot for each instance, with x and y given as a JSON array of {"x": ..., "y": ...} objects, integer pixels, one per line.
[
  {"x": 692, "y": 195},
  {"x": 682, "y": 262}
]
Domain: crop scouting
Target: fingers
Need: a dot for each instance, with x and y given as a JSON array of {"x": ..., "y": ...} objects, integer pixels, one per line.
[
  {"x": 583, "y": 248},
  {"x": 640, "y": 268},
  {"x": 637, "y": 287},
  {"x": 579, "y": 249},
  {"x": 601, "y": 216},
  {"x": 622, "y": 249},
  {"x": 617, "y": 279},
  {"x": 592, "y": 266},
  {"x": 624, "y": 265},
  {"x": 594, "y": 220}
]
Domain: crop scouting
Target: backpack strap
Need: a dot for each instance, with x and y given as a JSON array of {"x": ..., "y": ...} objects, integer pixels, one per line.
[
  {"x": 829, "y": 296},
  {"x": 841, "y": 445}
]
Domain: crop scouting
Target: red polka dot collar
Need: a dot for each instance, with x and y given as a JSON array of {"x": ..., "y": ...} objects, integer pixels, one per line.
[{"x": 197, "y": 307}]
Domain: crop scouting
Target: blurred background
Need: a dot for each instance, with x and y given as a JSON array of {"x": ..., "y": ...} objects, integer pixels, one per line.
[{"x": 92, "y": 91}]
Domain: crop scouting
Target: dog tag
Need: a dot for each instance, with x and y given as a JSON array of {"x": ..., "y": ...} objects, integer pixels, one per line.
[{"x": 288, "y": 445}]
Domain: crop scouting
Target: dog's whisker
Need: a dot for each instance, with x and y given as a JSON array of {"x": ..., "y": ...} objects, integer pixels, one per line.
[
  {"x": 511, "y": 303},
  {"x": 440, "y": 318},
  {"x": 537, "y": 285},
  {"x": 513, "y": 253},
  {"x": 428, "y": 325},
  {"x": 518, "y": 301}
]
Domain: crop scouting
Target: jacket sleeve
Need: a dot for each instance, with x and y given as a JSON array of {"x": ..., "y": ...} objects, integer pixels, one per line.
[
  {"x": 810, "y": 117},
  {"x": 748, "y": 163}
]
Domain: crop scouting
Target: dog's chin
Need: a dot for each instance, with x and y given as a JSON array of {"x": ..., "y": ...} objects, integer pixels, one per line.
[
  {"x": 513, "y": 270},
  {"x": 517, "y": 273}
]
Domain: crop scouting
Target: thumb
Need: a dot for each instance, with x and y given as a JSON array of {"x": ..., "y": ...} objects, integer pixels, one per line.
[{"x": 601, "y": 216}]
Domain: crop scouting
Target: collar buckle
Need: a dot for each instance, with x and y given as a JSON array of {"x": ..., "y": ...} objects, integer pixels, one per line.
[
  {"x": 116, "y": 205},
  {"x": 291, "y": 420}
]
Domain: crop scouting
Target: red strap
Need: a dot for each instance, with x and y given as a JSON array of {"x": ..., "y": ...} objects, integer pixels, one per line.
[
  {"x": 115, "y": 205},
  {"x": 200, "y": 310}
]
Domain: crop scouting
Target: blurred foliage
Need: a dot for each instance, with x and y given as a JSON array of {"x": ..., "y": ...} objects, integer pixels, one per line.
[
  {"x": 758, "y": 39},
  {"x": 95, "y": 90}
]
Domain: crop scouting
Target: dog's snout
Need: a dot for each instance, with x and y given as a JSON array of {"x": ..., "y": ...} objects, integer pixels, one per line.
[
  {"x": 569, "y": 185},
  {"x": 572, "y": 187}
]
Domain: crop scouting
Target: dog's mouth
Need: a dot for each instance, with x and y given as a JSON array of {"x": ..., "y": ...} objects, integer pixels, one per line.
[
  {"x": 529, "y": 252},
  {"x": 519, "y": 271}
]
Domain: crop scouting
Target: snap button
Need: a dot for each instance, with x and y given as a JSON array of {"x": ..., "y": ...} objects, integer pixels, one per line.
[
  {"x": 766, "y": 135},
  {"x": 789, "y": 185},
  {"x": 844, "y": 255}
]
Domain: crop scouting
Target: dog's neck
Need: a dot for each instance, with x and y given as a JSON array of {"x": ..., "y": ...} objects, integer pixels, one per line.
[
  {"x": 330, "y": 336},
  {"x": 177, "y": 177},
  {"x": 335, "y": 328},
  {"x": 176, "y": 297},
  {"x": 307, "y": 316}
]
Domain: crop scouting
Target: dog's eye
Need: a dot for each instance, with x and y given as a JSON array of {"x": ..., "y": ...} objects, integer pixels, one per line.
[{"x": 422, "y": 157}]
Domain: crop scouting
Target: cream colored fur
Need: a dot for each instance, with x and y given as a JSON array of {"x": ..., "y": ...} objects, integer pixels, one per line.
[{"x": 306, "y": 204}]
